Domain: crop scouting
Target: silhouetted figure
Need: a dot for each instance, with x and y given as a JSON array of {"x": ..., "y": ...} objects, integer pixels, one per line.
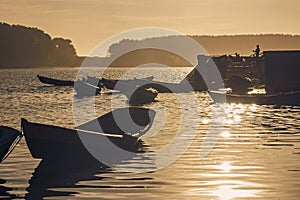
[
  {"x": 257, "y": 51},
  {"x": 258, "y": 66}
]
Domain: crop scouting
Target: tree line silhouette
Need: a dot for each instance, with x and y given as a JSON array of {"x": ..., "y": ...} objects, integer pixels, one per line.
[
  {"x": 22, "y": 46},
  {"x": 220, "y": 45},
  {"x": 214, "y": 45}
]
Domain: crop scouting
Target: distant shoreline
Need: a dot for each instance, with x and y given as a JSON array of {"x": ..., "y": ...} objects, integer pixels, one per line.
[
  {"x": 40, "y": 50},
  {"x": 47, "y": 67},
  {"x": 5, "y": 68}
]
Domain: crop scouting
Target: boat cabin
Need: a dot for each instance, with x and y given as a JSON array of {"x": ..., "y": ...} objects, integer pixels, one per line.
[{"x": 282, "y": 71}]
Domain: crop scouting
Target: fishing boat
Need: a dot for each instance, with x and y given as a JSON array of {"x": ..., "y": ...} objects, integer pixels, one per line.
[
  {"x": 136, "y": 92},
  {"x": 56, "y": 143},
  {"x": 9, "y": 138},
  {"x": 282, "y": 84},
  {"x": 282, "y": 98},
  {"x": 55, "y": 82},
  {"x": 88, "y": 87},
  {"x": 160, "y": 87},
  {"x": 112, "y": 84}
]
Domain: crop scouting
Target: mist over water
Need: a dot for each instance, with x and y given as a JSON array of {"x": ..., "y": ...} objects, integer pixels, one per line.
[{"x": 256, "y": 156}]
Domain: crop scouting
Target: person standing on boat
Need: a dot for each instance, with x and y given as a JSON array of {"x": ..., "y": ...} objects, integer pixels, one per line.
[
  {"x": 258, "y": 64},
  {"x": 257, "y": 51}
]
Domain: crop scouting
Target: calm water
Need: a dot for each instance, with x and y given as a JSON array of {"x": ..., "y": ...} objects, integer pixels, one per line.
[{"x": 257, "y": 155}]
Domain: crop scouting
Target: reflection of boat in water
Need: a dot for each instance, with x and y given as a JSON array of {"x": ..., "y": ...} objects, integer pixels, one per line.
[
  {"x": 49, "y": 176},
  {"x": 284, "y": 98},
  {"x": 4, "y": 191},
  {"x": 57, "y": 143},
  {"x": 60, "y": 179},
  {"x": 9, "y": 138}
]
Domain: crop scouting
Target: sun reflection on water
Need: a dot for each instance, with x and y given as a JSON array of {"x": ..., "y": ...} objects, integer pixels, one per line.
[
  {"x": 237, "y": 118},
  {"x": 225, "y": 166},
  {"x": 234, "y": 113},
  {"x": 228, "y": 192},
  {"x": 229, "y": 189},
  {"x": 225, "y": 134},
  {"x": 228, "y": 181},
  {"x": 205, "y": 121}
]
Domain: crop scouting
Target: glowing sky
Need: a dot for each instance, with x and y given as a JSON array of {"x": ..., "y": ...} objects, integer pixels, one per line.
[{"x": 88, "y": 22}]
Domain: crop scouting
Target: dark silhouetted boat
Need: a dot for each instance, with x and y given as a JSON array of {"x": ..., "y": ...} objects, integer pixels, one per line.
[
  {"x": 282, "y": 84},
  {"x": 56, "y": 82},
  {"x": 57, "y": 143},
  {"x": 283, "y": 98},
  {"x": 160, "y": 87},
  {"x": 9, "y": 138},
  {"x": 136, "y": 92},
  {"x": 83, "y": 87}
]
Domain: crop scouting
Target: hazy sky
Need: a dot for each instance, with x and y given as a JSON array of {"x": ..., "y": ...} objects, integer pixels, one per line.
[{"x": 88, "y": 22}]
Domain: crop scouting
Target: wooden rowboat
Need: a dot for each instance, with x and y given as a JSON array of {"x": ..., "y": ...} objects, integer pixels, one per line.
[
  {"x": 83, "y": 88},
  {"x": 56, "y": 82},
  {"x": 160, "y": 87},
  {"x": 9, "y": 138},
  {"x": 56, "y": 143}
]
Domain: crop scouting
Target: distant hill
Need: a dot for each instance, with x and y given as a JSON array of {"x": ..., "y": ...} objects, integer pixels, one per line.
[
  {"x": 214, "y": 45},
  {"x": 22, "y": 46},
  {"x": 220, "y": 45}
]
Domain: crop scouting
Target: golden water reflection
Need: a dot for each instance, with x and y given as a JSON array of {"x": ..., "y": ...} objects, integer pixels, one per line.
[
  {"x": 256, "y": 154},
  {"x": 227, "y": 192},
  {"x": 225, "y": 134},
  {"x": 225, "y": 166},
  {"x": 226, "y": 182},
  {"x": 232, "y": 179},
  {"x": 228, "y": 179}
]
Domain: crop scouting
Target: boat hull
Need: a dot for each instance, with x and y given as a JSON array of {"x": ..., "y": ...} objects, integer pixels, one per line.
[
  {"x": 55, "y": 82},
  {"x": 9, "y": 138},
  {"x": 160, "y": 87},
  {"x": 56, "y": 143},
  {"x": 288, "y": 98}
]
